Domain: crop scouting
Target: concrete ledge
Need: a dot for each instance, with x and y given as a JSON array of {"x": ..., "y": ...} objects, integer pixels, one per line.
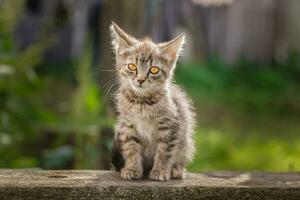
[{"x": 75, "y": 184}]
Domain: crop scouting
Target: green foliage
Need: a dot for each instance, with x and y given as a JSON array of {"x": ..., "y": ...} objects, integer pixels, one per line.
[
  {"x": 87, "y": 106},
  {"x": 245, "y": 87},
  {"x": 82, "y": 122},
  {"x": 33, "y": 134},
  {"x": 20, "y": 93},
  {"x": 87, "y": 103}
]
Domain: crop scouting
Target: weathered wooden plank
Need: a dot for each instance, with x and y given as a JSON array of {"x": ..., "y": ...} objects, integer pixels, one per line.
[{"x": 77, "y": 184}]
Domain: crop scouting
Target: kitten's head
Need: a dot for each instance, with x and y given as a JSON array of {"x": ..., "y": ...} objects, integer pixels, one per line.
[{"x": 142, "y": 65}]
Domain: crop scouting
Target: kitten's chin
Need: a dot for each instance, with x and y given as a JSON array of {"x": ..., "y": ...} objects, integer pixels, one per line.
[{"x": 140, "y": 90}]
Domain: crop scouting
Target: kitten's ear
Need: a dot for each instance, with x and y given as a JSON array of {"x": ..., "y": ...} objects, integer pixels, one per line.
[
  {"x": 173, "y": 47},
  {"x": 120, "y": 39}
]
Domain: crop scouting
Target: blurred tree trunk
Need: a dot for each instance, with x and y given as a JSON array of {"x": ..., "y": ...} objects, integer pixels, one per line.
[
  {"x": 168, "y": 18},
  {"x": 293, "y": 25},
  {"x": 80, "y": 26},
  {"x": 245, "y": 28},
  {"x": 281, "y": 31}
]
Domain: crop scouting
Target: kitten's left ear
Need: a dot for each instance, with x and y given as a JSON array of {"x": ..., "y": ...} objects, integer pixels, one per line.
[
  {"x": 120, "y": 39},
  {"x": 173, "y": 47}
]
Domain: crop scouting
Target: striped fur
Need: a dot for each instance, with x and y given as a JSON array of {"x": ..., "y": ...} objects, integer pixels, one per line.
[{"x": 154, "y": 133}]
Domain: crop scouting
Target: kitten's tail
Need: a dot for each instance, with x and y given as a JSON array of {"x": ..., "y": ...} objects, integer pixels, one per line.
[{"x": 117, "y": 157}]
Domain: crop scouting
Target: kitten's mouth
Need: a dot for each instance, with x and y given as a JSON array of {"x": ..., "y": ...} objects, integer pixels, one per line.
[
  {"x": 136, "y": 86},
  {"x": 139, "y": 87}
]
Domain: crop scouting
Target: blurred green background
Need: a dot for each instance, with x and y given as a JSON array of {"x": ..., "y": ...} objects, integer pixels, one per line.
[{"x": 241, "y": 67}]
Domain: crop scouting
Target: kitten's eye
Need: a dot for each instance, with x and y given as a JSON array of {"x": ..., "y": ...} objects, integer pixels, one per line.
[
  {"x": 132, "y": 67},
  {"x": 154, "y": 70}
]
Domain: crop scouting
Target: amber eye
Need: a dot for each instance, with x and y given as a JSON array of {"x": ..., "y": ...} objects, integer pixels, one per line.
[
  {"x": 154, "y": 70},
  {"x": 132, "y": 67}
]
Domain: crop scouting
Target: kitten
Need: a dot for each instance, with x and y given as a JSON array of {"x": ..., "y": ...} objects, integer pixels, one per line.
[{"x": 155, "y": 123}]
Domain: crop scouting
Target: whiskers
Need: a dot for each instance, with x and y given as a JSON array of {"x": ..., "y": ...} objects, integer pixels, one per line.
[{"x": 111, "y": 86}]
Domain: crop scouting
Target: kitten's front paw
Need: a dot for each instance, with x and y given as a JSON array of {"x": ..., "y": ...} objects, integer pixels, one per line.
[
  {"x": 160, "y": 175},
  {"x": 131, "y": 173},
  {"x": 177, "y": 172}
]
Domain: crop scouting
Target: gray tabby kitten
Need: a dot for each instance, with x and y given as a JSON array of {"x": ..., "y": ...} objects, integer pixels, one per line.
[{"x": 155, "y": 123}]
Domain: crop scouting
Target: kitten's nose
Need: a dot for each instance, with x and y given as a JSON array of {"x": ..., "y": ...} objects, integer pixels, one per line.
[{"x": 141, "y": 81}]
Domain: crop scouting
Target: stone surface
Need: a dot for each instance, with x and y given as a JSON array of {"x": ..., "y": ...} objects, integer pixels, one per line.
[{"x": 78, "y": 184}]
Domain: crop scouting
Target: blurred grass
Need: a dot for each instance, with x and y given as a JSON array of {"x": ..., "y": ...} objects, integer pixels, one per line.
[{"x": 220, "y": 150}]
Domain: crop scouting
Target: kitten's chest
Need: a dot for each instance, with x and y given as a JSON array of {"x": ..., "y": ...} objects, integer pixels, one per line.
[
  {"x": 146, "y": 128},
  {"x": 144, "y": 112}
]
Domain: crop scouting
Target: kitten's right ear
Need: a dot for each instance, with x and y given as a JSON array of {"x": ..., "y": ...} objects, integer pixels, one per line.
[{"x": 120, "y": 39}]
